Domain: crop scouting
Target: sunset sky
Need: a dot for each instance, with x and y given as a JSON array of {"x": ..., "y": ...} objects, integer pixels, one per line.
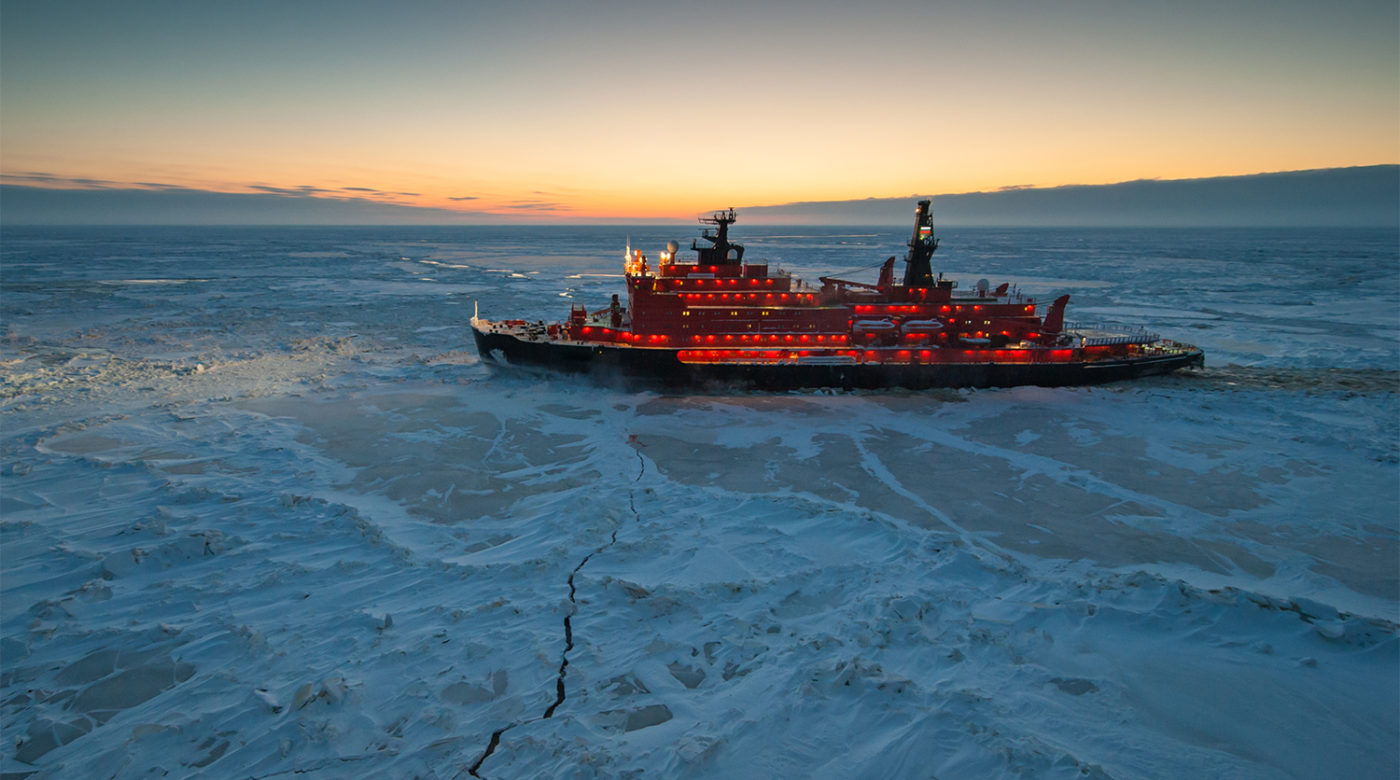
[{"x": 643, "y": 109}]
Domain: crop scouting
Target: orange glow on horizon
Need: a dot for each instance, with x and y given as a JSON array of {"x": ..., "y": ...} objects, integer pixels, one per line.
[{"x": 546, "y": 113}]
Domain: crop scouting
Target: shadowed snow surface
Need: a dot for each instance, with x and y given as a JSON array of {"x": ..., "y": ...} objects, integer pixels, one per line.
[{"x": 265, "y": 512}]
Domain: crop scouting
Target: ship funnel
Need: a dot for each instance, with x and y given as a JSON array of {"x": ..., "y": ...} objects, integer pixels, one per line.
[
  {"x": 918, "y": 271},
  {"x": 1055, "y": 317}
]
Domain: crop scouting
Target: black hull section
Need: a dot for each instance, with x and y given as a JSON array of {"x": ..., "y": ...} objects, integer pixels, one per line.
[{"x": 643, "y": 366}]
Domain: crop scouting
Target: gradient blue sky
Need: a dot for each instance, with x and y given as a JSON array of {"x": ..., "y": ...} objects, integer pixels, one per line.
[{"x": 647, "y": 109}]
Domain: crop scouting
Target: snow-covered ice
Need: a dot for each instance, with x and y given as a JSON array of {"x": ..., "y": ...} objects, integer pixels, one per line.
[{"x": 265, "y": 512}]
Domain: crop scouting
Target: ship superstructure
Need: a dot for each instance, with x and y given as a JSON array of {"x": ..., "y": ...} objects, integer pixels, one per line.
[{"x": 710, "y": 315}]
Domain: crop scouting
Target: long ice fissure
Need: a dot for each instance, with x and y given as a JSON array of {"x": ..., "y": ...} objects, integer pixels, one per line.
[{"x": 561, "y": 691}]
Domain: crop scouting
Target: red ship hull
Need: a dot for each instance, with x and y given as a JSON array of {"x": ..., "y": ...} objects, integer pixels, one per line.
[{"x": 651, "y": 366}]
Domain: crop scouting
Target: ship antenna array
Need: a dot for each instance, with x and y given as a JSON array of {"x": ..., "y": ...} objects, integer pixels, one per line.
[
  {"x": 724, "y": 216},
  {"x": 856, "y": 270}
]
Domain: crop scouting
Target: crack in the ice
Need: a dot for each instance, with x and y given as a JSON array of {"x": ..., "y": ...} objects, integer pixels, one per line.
[
  {"x": 317, "y": 767},
  {"x": 491, "y": 746},
  {"x": 560, "y": 691}
]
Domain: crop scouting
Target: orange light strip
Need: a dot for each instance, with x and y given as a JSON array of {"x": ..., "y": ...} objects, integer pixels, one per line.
[{"x": 881, "y": 356}]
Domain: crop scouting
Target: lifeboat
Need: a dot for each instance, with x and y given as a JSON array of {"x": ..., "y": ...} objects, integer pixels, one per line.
[
  {"x": 912, "y": 327},
  {"x": 878, "y": 325}
]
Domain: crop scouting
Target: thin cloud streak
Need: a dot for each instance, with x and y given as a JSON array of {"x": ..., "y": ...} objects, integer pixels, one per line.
[
  {"x": 537, "y": 206},
  {"x": 52, "y": 181},
  {"x": 47, "y": 205},
  {"x": 305, "y": 189},
  {"x": 48, "y": 178}
]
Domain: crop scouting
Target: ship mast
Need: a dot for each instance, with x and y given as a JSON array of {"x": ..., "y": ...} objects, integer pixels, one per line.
[
  {"x": 918, "y": 271},
  {"x": 718, "y": 253}
]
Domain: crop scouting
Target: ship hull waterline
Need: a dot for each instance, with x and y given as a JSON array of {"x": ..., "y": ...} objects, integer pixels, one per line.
[{"x": 660, "y": 366}]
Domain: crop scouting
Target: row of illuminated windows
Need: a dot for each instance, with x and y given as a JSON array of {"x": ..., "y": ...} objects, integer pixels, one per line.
[{"x": 750, "y": 326}]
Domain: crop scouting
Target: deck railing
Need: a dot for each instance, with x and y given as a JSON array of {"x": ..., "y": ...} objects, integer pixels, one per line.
[{"x": 1111, "y": 333}]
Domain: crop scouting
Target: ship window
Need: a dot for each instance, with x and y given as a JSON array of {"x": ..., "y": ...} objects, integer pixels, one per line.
[
  {"x": 685, "y": 314},
  {"x": 765, "y": 314},
  {"x": 734, "y": 314}
]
